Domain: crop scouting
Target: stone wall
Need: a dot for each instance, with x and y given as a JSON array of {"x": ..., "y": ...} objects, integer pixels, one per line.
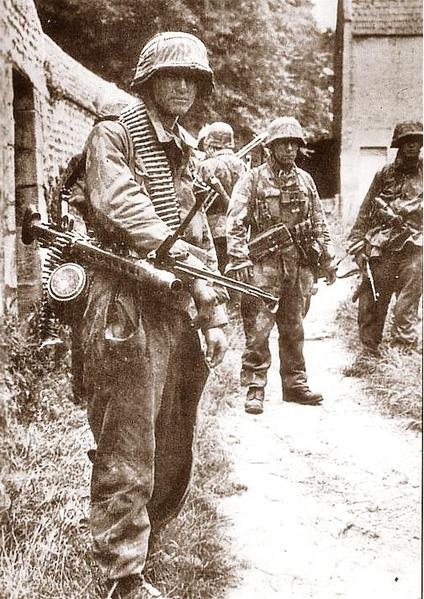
[{"x": 48, "y": 104}]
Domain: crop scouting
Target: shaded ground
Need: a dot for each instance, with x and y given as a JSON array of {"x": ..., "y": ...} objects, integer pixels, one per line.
[{"x": 333, "y": 493}]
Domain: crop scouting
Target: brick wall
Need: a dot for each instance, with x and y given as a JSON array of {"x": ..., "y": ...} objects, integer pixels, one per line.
[{"x": 48, "y": 103}]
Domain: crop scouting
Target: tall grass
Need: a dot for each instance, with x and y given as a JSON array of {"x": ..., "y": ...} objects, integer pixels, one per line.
[
  {"x": 394, "y": 380},
  {"x": 44, "y": 539}
]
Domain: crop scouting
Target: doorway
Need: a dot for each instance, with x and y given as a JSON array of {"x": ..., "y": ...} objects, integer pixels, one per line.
[{"x": 28, "y": 272}]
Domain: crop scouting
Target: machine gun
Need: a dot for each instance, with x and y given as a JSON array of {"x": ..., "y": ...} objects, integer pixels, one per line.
[
  {"x": 71, "y": 251},
  {"x": 212, "y": 188}
]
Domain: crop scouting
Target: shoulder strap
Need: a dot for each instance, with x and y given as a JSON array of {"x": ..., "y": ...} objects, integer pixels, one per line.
[
  {"x": 159, "y": 175},
  {"x": 253, "y": 198}
]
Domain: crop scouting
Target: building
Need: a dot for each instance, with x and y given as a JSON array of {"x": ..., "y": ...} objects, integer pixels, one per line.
[
  {"x": 48, "y": 105},
  {"x": 378, "y": 82}
]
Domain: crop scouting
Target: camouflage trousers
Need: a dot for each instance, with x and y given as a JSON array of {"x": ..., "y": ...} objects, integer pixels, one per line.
[
  {"x": 144, "y": 373},
  {"x": 398, "y": 273},
  {"x": 292, "y": 282}
]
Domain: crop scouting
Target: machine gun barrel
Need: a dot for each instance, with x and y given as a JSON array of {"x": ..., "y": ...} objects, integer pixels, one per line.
[{"x": 181, "y": 268}]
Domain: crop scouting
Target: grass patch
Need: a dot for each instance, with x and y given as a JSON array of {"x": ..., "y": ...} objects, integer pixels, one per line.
[
  {"x": 393, "y": 381},
  {"x": 44, "y": 539}
]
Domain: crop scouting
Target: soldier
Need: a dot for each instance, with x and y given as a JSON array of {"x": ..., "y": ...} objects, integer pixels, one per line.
[
  {"x": 387, "y": 235},
  {"x": 201, "y": 136},
  {"x": 222, "y": 169},
  {"x": 144, "y": 370},
  {"x": 278, "y": 194}
]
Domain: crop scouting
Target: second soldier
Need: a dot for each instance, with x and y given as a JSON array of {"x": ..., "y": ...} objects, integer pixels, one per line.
[{"x": 280, "y": 205}]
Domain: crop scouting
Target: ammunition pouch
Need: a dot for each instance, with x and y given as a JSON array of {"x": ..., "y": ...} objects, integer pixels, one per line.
[
  {"x": 307, "y": 244},
  {"x": 269, "y": 242}
]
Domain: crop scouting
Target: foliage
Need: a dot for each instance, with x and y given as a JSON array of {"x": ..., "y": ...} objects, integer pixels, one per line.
[
  {"x": 387, "y": 386},
  {"x": 268, "y": 57},
  {"x": 29, "y": 367}
]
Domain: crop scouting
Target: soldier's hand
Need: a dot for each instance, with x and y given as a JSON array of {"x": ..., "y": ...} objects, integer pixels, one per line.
[
  {"x": 241, "y": 273},
  {"x": 360, "y": 258},
  {"x": 205, "y": 299},
  {"x": 216, "y": 345},
  {"x": 330, "y": 276},
  {"x": 180, "y": 250}
]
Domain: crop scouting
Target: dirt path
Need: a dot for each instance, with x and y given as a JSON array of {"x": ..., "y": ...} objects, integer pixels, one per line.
[{"x": 332, "y": 501}]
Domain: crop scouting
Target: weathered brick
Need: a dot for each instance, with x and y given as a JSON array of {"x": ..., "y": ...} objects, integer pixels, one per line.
[{"x": 55, "y": 101}]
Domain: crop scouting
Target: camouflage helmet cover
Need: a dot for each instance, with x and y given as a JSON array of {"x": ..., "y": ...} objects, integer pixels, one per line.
[
  {"x": 220, "y": 135},
  {"x": 174, "y": 50},
  {"x": 285, "y": 127},
  {"x": 411, "y": 129},
  {"x": 201, "y": 136}
]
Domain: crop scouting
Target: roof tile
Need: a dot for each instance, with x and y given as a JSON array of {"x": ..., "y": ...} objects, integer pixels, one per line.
[{"x": 387, "y": 17}]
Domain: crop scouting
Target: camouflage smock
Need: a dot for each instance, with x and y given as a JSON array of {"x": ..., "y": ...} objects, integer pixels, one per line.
[
  {"x": 266, "y": 196},
  {"x": 402, "y": 187},
  {"x": 227, "y": 168}
]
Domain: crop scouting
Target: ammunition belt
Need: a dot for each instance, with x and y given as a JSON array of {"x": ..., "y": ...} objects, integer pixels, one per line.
[{"x": 159, "y": 175}]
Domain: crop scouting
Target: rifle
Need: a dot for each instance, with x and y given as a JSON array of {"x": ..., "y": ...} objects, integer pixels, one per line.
[
  {"x": 370, "y": 278},
  {"x": 213, "y": 189},
  {"x": 67, "y": 280}
]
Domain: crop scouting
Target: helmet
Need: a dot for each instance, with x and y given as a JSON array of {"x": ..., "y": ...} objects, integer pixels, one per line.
[
  {"x": 201, "y": 137},
  {"x": 285, "y": 127},
  {"x": 406, "y": 129},
  {"x": 220, "y": 135},
  {"x": 174, "y": 50}
]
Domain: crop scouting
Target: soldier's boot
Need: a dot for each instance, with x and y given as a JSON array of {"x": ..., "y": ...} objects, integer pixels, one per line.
[
  {"x": 302, "y": 395},
  {"x": 132, "y": 587},
  {"x": 365, "y": 362},
  {"x": 254, "y": 403}
]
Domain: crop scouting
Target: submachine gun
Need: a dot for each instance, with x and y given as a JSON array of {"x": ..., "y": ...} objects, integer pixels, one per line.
[{"x": 70, "y": 252}]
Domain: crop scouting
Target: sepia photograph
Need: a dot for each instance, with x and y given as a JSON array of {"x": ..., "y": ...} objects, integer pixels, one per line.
[{"x": 211, "y": 217}]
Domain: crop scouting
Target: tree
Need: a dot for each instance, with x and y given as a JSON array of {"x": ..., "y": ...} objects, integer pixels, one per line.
[{"x": 268, "y": 57}]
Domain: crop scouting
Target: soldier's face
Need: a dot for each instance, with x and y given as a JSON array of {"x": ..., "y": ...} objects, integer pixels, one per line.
[
  {"x": 410, "y": 149},
  {"x": 174, "y": 92},
  {"x": 285, "y": 151}
]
